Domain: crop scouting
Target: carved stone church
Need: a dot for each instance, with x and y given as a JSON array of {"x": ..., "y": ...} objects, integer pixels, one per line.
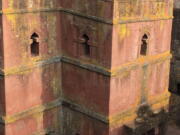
[{"x": 89, "y": 67}]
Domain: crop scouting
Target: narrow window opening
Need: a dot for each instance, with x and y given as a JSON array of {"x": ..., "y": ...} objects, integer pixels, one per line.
[
  {"x": 144, "y": 45},
  {"x": 85, "y": 39},
  {"x": 34, "y": 45}
]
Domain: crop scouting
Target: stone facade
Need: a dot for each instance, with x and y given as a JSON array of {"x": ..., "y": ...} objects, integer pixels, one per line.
[
  {"x": 30, "y": 68},
  {"x": 121, "y": 86},
  {"x": 81, "y": 67}
]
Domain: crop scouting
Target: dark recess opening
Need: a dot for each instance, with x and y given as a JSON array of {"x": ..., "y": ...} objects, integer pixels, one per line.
[
  {"x": 144, "y": 45},
  {"x": 34, "y": 45},
  {"x": 150, "y": 132},
  {"x": 86, "y": 45},
  {"x": 178, "y": 88},
  {"x": 156, "y": 131}
]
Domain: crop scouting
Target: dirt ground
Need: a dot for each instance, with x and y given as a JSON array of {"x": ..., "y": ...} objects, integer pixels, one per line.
[{"x": 173, "y": 130}]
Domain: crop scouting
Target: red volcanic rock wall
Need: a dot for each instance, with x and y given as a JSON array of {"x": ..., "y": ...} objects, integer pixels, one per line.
[
  {"x": 76, "y": 67},
  {"x": 31, "y": 83},
  {"x": 112, "y": 82}
]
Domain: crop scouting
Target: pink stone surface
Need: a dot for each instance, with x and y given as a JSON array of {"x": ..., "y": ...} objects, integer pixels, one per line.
[
  {"x": 126, "y": 45},
  {"x": 1, "y": 45},
  {"x": 81, "y": 124},
  {"x": 34, "y": 124},
  {"x": 73, "y": 28},
  {"x": 158, "y": 78},
  {"x": 125, "y": 92},
  {"x": 60, "y": 34},
  {"x": 34, "y": 88},
  {"x": 80, "y": 87},
  {"x": 23, "y": 4},
  {"x": 97, "y": 8},
  {"x": 17, "y": 37}
]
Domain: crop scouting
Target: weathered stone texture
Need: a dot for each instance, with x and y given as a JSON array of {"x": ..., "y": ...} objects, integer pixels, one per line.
[
  {"x": 89, "y": 77},
  {"x": 30, "y": 85},
  {"x": 133, "y": 79}
]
